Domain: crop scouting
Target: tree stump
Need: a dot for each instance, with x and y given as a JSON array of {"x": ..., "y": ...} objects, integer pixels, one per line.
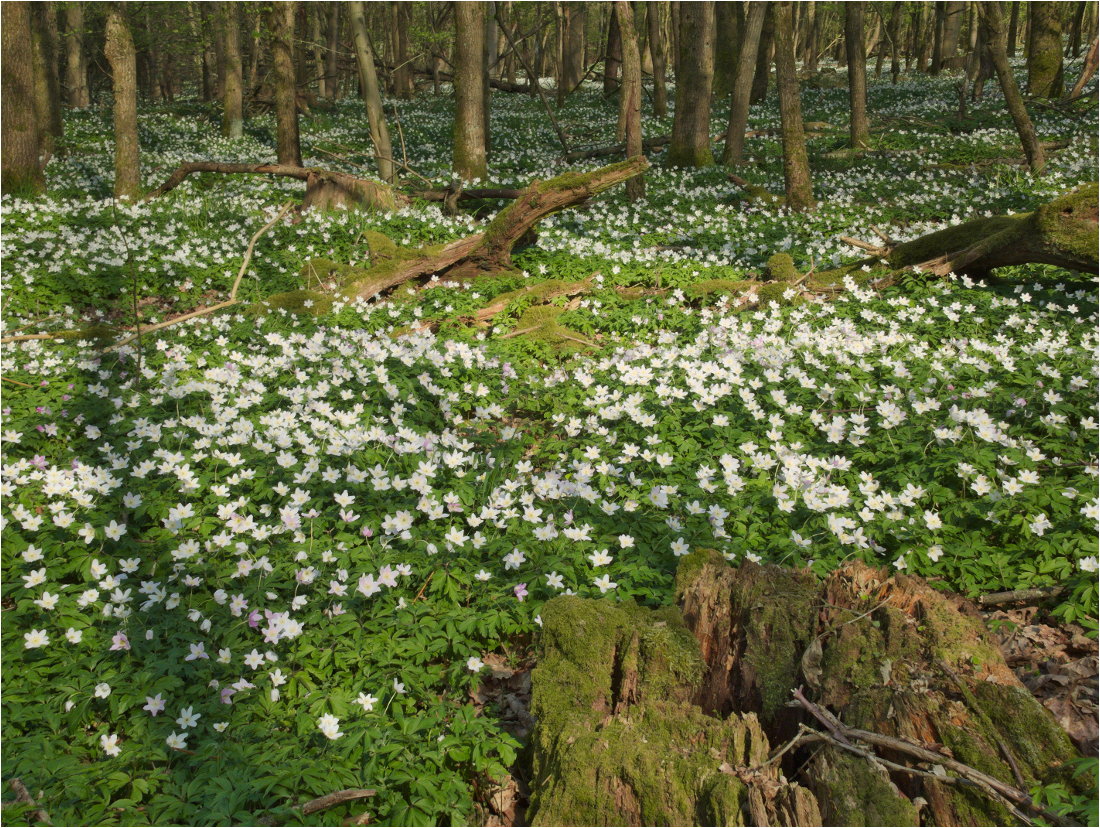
[{"x": 881, "y": 700}]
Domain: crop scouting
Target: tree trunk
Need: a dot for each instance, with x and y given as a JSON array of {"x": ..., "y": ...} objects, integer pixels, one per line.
[
  {"x": 76, "y": 71},
  {"x": 690, "y": 145},
  {"x": 574, "y": 23},
  {"x": 937, "y": 38},
  {"x": 1044, "y": 57},
  {"x": 763, "y": 61},
  {"x": 995, "y": 39},
  {"x": 613, "y": 55},
  {"x": 895, "y": 41},
  {"x": 119, "y": 50},
  {"x": 332, "y": 50},
  {"x": 470, "y": 104},
  {"x": 1013, "y": 24},
  {"x": 922, "y": 44},
  {"x": 1088, "y": 70},
  {"x": 232, "y": 79},
  {"x": 19, "y": 130},
  {"x": 47, "y": 83},
  {"x": 402, "y": 73},
  {"x": 954, "y": 14},
  {"x": 657, "y": 55},
  {"x": 728, "y": 27},
  {"x": 630, "y": 96},
  {"x": 1073, "y": 48},
  {"x": 288, "y": 146},
  {"x": 796, "y": 163},
  {"x": 733, "y": 153},
  {"x": 316, "y": 12},
  {"x": 859, "y": 132},
  {"x": 372, "y": 93}
]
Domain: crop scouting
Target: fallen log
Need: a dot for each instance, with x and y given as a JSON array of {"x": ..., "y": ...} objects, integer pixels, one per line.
[
  {"x": 1062, "y": 232},
  {"x": 862, "y": 699},
  {"x": 491, "y": 250}
]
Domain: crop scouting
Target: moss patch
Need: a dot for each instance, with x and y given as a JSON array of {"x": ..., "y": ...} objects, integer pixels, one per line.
[
  {"x": 296, "y": 301},
  {"x": 780, "y": 268},
  {"x": 707, "y": 287}
]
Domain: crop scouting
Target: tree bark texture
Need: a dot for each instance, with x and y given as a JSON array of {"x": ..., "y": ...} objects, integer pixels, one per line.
[
  {"x": 657, "y": 56},
  {"x": 728, "y": 26},
  {"x": 859, "y": 131},
  {"x": 232, "y": 72},
  {"x": 470, "y": 139},
  {"x": 630, "y": 95},
  {"x": 47, "y": 81},
  {"x": 613, "y": 54},
  {"x": 76, "y": 70},
  {"x": 762, "y": 74},
  {"x": 120, "y": 53},
  {"x": 372, "y": 92},
  {"x": 19, "y": 131},
  {"x": 1044, "y": 56},
  {"x": 288, "y": 145},
  {"x": 690, "y": 145},
  {"x": 734, "y": 151},
  {"x": 796, "y": 162}
]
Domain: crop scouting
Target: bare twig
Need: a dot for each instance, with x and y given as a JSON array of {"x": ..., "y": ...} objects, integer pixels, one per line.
[
  {"x": 328, "y": 800},
  {"x": 17, "y": 382},
  {"x": 1013, "y": 595},
  {"x": 23, "y": 796}
]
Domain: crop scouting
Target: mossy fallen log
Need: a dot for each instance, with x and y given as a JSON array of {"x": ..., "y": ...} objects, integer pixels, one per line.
[{"x": 685, "y": 716}]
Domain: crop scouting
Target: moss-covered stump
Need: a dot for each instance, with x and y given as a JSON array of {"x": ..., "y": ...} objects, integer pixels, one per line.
[
  {"x": 1062, "y": 232},
  {"x": 888, "y": 655},
  {"x": 618, "y": 741}
]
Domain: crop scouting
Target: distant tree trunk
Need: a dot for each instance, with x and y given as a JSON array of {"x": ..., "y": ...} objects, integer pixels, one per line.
[
  {"x": 1013, "y": 25},
  {"x": 690, "y": 144},
  {"x": 332, "y": 48},
  {"x": 21, "y": 174},
  {"x": 402, "y": 72},
  {"x": 922, "y": 43},
  {"x": 895, "y": 41},
  {"x": 763, "y": 62},
  {"x": 728, "y": 35},
  {"x": 742, "y": 83},
  {"x": 1073, "y": 48},
  {"x": 372, "y": 93},
  {"x": 573, "y": 23},
  {"x": 796, "y": 163},
  {"x": 657, "y": 55},
  {"x": 469, "y": 127},
  {"x": 995, "y": 39},
  {"x": 316, "y": 12},
  {"x": 630, "y": 95},
  {"x": 47, "y": 83},
  {"x": 937, "y": 38},
  {"x": 613, "y": 56},
  {"x": 288, "y": 146},
  {"x": 76, "y": 71},
  {"x": 120, "y": 53},
  {"x": 232, "y": 73},
  {"x": 954, "y": 14},
  {"x": 1044, "y": 56},
  {"x": 858, "y": 131}
]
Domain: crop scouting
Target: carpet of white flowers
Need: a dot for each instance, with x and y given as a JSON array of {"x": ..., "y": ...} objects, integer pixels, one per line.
[{"x": 263, "y": 557}]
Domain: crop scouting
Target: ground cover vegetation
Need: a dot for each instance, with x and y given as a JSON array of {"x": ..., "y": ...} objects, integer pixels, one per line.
[{"x": 270, "y": 553}]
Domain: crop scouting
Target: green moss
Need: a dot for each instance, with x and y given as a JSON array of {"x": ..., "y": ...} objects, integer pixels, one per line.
[
  {"x": 689, "y": 156},
  {"x": 708, "y": 287},
  {"x": 774, "y": 292},
  {"x": 322, "y": 272},
  {"x": 296, "y": 301},
  {"x": 515, "y": 300},
  {"x": 780, "y": 268},
  {"x": 853, "y": 792},
  {"x": 380, "y": 245},
  {"x": 1069, "y": 222},
  {"x": 539, "y": 323},
  {"x": 97, "y": 333}
]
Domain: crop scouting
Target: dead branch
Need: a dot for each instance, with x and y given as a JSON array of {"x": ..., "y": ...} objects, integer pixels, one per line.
[
  {"x": 328, "y": 800},
  {"x": 1014, "y": 595},
  {"x": 22, "y": 795}
]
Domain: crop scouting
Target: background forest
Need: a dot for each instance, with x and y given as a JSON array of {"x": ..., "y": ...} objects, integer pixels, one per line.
[{"x": 368, "y": 447}]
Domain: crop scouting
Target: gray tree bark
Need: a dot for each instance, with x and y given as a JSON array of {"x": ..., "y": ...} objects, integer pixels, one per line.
[
  {"x": 232, "y": 72},
  {"x": 372, "y": 93},
  {"x": 120, "y": 53},
  {"x": 796, "y": 162},
  {"x": 742, "y": 82},
  {"x": 859, "y": 131},
  {"x": 690, "y": 144},
  {"x": 21, "y": 173},
  {"x": 288, "y": 145},
  {"x": 470, "y": 159}
]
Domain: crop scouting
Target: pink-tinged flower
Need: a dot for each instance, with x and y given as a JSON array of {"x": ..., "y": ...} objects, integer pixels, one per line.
[
  {"x": 227, "y": 695},
  {"x": 154, "y": 704},
  {"x": 120, "y": 642},
  {"x": 39, "y": 462},
  {"x": 253, "y": 619},
  {"x": 367, "y": 532},
  {"x": 521, "y": 591}
]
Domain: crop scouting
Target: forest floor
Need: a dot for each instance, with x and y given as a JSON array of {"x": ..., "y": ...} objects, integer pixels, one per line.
[{"x": 269, "y": 554}]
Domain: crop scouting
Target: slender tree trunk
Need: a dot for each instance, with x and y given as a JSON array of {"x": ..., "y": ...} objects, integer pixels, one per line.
[
  {"x": 232, "y": 74},
  {"x": 796, "y": 163},
  {"x": 954, "y": 14},
  {"x": 630, "y": 95},
  {"x": 1044, "y": 57},
  {"x": 657, "y": 55},
  {"x": 895, "y": 41},
  {"x": 1013, "y": 25},
  {"x": 742, "y": 83},
  {"x": 1073, "y": 48},
  {"x": 120, "y": 53},
  {"x": 690, "y": 144},
  {"x": 402, "y": 73},
  {"x": 47, "y": 83},
  {"x": 728, "y": 36},
  {"x": 470, "y": 160},
  {"x": 937, "y": 38},
  {"x": 21, "y": 173},
  {"x": 372, "y": 93},
  {"x": 995, "y": 38},
  {"x": 613, "y": 56},
  {"x": 858, "y": 131},
  {"x": 922, "y": 43},
  {"x": 76, "y": 71},
  {"x": 763, "y": 61},
  {"x": 332, "y": 49},
  {"x": 315, "y": 12},
  {"x": 282, "y": 20}
]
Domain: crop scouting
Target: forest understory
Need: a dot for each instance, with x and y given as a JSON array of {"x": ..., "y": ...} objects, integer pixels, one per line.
[{"x": 301, "y": 501}]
